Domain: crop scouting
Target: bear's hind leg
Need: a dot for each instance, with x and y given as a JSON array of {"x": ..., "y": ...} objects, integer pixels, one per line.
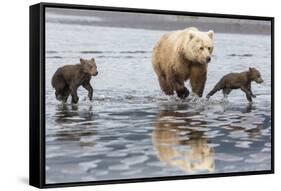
[
  {"x": 217, "y": 87},
  {"x": 66, "y": 94},
  {"x": 62, "y": 94},
  {"x": 73, "y": 92},
  {"x": 164, "y": 85},
  {"x": 59, "y": 95},
  {"x": 60, "y": 86},
  {"x": 225, "y": 92}
]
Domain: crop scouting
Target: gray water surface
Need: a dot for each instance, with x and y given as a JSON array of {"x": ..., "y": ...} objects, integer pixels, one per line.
[{"x": 132, "y": 130}]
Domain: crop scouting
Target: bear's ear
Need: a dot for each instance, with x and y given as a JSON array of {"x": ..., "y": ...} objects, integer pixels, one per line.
[
  {"x": 191, "y": 35},
  {"x": 210, "y": 34},
  {"x": 93, "y": 59},
  {"x": 82, "y": 61},
  {"x": 250, "y": 69}
]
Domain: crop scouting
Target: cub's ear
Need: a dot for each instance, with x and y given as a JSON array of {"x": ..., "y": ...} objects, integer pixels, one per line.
[
  {"x": 82, "y": 61},
  {"x": 250, "y": 69},
  {"x": 210, "y": 34},
  {"x": 93, "y": 59}
]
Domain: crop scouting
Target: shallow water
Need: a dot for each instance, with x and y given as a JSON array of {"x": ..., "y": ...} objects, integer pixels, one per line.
[{"x": 132, "y": 130}]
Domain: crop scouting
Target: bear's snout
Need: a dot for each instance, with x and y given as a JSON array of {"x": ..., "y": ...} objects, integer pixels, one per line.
[
  {"x": 259, "y": 80},
  {"x": 96, "y": 73},
  {"x": 208, "y": 59}
]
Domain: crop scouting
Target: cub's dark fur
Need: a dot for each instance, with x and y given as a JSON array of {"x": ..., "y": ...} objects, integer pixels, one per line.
[
  {"x": 238, "y": 80},
  {"x": 68, "y": 78}
]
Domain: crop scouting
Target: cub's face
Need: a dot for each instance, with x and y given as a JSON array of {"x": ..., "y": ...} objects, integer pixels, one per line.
[
  {"x": 199, "y": 46},
  {"x": 255, "y": 75},
  {"x": 89, "y": 66}
]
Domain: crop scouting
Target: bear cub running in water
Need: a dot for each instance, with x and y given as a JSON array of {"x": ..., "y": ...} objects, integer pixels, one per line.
[
  {"x": 238, "y": 80},
  {"x": 68, "y": 78}
]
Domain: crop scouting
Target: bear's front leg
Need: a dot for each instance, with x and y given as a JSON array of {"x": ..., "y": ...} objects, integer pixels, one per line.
[
  {"x": 65, "y": 95},
  {"x": 164, "y": 85},
  {"x": 198, "y": 77},
  {"x": 88, "y": 87},
  {"x": 247, "y": 92},
  {"x": 73, "y": 92},
  {"x": 182, "y": 93},
  {"x": 178, "y": 85},
  {"x": 250, "y": 90}
]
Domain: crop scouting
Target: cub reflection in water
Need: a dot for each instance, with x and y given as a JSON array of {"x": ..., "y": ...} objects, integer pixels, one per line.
[
  {"x": 181, "y": 147},
  {"x": 75, "y": 122}
]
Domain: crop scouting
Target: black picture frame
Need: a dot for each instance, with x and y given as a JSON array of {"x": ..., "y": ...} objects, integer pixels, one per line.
[{"x": 37, "y": 94}]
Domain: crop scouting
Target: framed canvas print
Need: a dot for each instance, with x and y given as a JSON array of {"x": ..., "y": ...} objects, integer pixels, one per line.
[{"x": 130, "y": 95}]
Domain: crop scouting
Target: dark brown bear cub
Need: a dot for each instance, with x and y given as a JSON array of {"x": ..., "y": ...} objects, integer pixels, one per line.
[
  {"x": 238, "y": 80},
  {"x": 68, "y": 78}
]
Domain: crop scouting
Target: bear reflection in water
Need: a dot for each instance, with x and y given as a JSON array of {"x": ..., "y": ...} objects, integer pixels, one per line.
[
  {"x": 74, "y": 122},
  {"x": 178, "y": 146}
]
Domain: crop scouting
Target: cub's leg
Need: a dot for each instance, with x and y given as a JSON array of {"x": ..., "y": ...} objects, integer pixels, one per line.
[
  {"x": 65, "y": 94},
  {"x": 62, "y": 94},
  {"x": 88, "y": 87},
  {"x": 60, "y": 87},
  {"x": 226, "y": 91},
  {"x": 218, "y": 87},
  {"x": 250, "y": 90},
  {"x": 247, "y": 92},
  {"x": 58, "y": 96},
  {"x": 73, "y": 92}
]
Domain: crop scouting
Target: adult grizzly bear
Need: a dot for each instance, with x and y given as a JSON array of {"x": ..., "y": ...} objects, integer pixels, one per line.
[{"x": 181, "y": 55}]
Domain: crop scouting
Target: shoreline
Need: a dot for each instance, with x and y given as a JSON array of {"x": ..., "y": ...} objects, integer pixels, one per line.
[{"x": 156, "y": 22}]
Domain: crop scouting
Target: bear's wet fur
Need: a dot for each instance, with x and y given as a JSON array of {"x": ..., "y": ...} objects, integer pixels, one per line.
[
  {"x": 238, "y": 81},
  {"x": 68, "y": 78},
  {"x": 182, "y": 55}
]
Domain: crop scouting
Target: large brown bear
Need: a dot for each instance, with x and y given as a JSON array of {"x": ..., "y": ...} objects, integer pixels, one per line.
[{"x": 181, "y": 55}]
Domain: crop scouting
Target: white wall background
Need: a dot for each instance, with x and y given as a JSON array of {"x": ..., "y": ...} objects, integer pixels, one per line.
[{"x": 14, "y": 39}]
